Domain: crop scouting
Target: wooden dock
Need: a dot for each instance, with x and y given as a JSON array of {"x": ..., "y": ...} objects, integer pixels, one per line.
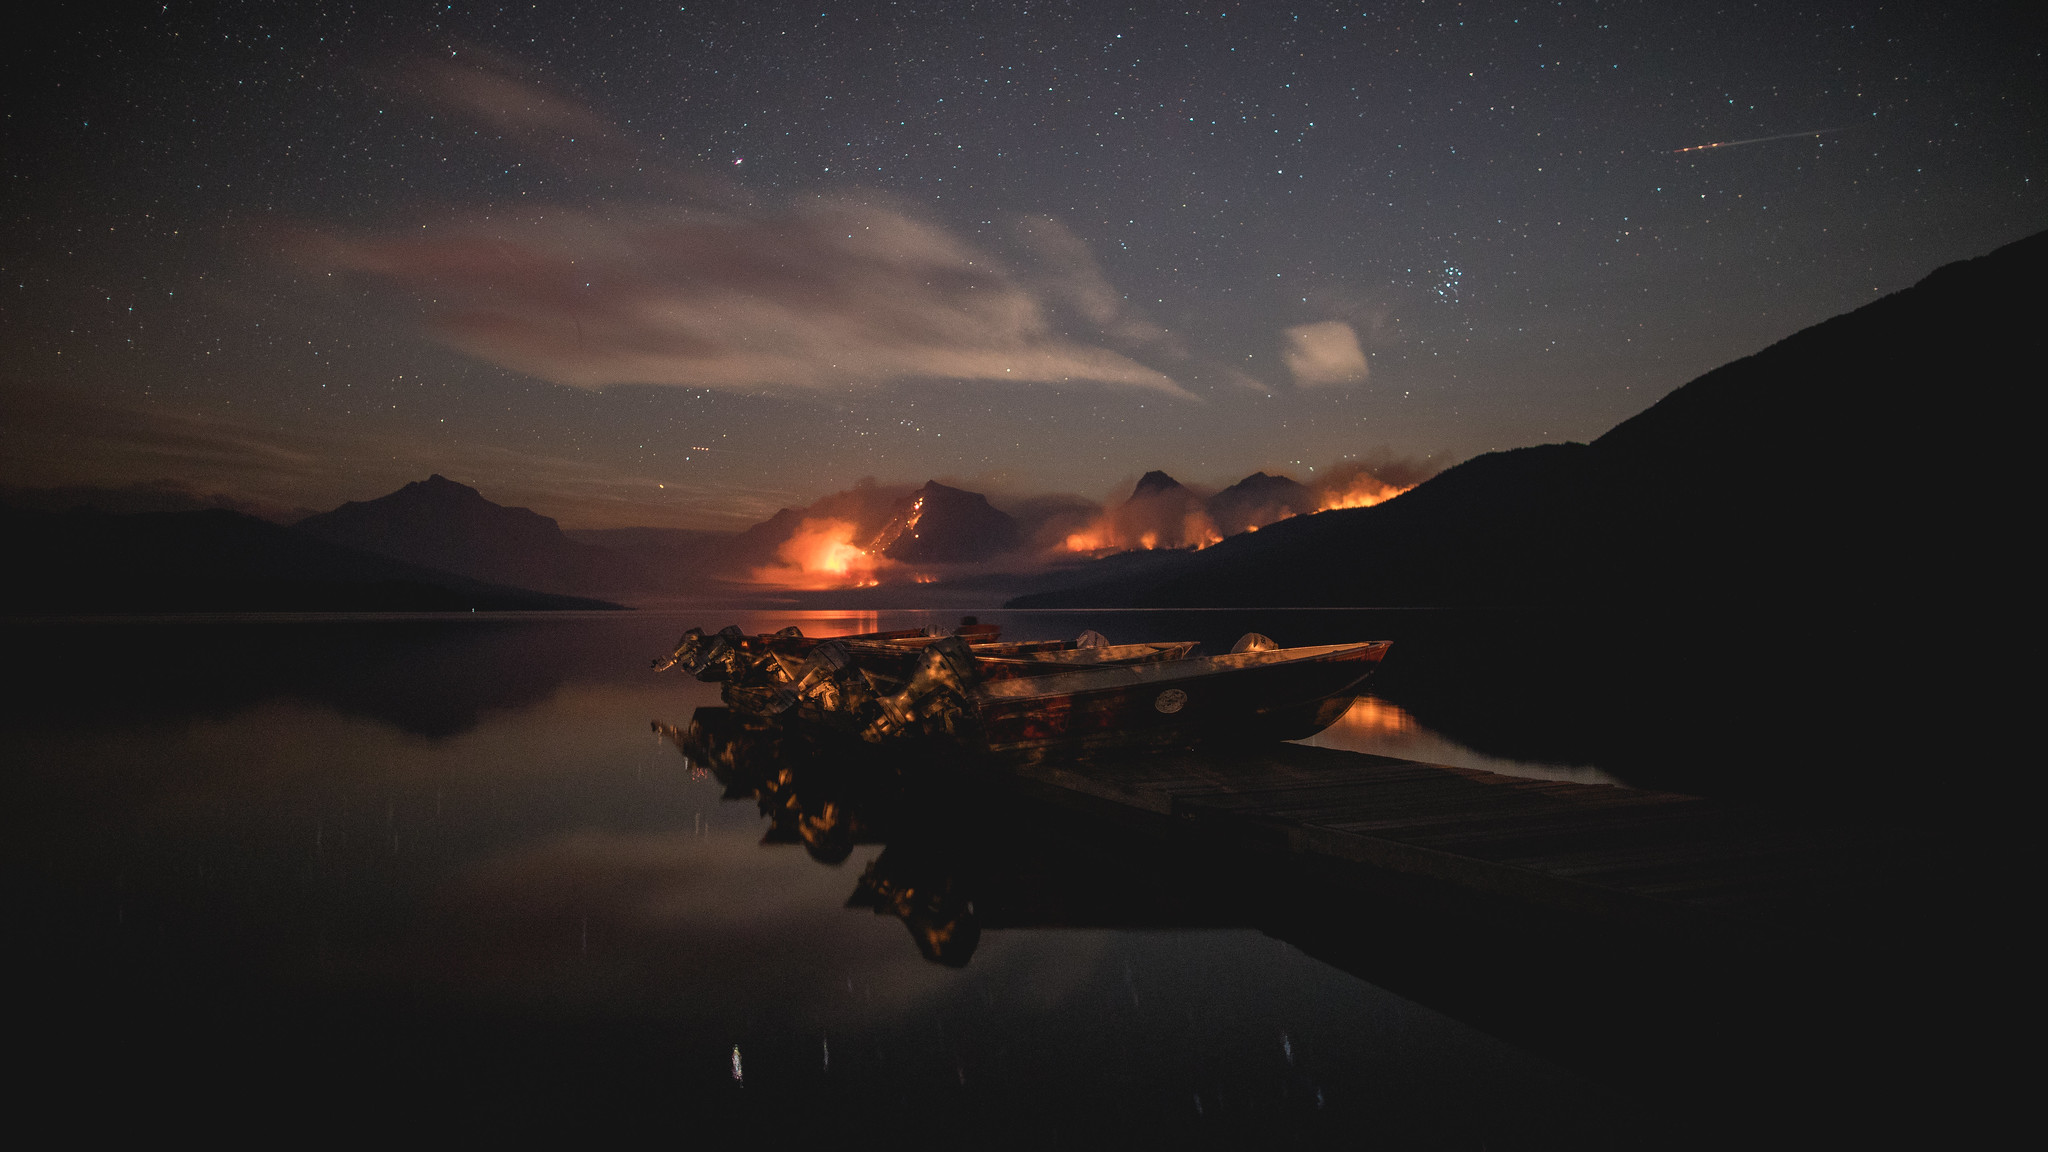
[
  {"x": 1590, "y": 850},
  {"x": 1734, "y": 961}
]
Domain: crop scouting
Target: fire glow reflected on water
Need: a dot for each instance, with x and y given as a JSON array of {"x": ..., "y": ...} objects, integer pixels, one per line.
[
  {"x": 821, "y": 622},
  {"x": 1372, "y": 716},
  {"x": 1383, "y": 728}
]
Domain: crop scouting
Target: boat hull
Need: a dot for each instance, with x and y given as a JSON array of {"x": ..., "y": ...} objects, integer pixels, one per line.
[{"x": 1250, "y": 696}]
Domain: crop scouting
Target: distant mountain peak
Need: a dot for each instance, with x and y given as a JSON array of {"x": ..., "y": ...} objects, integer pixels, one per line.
[
  {"x": 1154, "y": 482},
  {"x": 442, "y": 523},
  {"x": 1257, "y": 500},
  {"x": 1260, "y": 481},
  {"x": 440, "y": 488},
  {"x": 941, "y": 523}
]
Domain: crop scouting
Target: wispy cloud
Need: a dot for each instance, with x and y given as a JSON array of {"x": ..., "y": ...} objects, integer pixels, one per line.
[
  {"x": 1068, "y": 272},
  {"x": 713, "y": 294},
  {"x": 494, "y": 89},
  {"x": 1324, "y": 353}
]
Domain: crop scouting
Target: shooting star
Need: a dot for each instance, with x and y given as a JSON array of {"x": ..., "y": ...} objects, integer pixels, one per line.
[{"x": 1754, "y": 140}]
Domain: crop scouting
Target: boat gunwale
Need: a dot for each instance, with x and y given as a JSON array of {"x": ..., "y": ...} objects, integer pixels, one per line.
[
  {"x": 1085, "y": 659},
  {"x": 1116, "y": 676}
]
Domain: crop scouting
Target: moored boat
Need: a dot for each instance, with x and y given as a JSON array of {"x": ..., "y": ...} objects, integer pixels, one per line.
[
  {"x": 1028, "y": 700},
  {"x": 1252, "y": 695}
]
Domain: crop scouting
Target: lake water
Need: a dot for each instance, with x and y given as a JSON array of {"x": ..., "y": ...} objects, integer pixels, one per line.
[{"x": 358, "y": 872}]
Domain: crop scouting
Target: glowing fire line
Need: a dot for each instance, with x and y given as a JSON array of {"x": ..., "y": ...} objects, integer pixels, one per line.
[
  {"x": 1106, "y": 534},
  {"x": 821, "y": 553}
]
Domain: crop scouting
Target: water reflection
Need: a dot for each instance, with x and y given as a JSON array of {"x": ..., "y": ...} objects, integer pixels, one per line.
[
  {"x": 1384, "y": 728},
  {"x": 370, "y": 868},
  {"x": 429, "y": 677},
  {"x": 961, "y": 855},
  {"x": 964, "y": 861},
  {"x": 443, "y": 677}
]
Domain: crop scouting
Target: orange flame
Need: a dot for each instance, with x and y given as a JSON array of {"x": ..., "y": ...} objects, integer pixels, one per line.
[
  {"x": 822, "y": 554},
  {"x": 1114, "y": 532},
  {"x": 1361, "y": 491},
  {"x": 1134, "y": 526},
  {"x": 896, "y": 527}
]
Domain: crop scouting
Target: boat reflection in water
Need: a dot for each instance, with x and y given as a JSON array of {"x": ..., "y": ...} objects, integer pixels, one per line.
[
  {"x": 957, "y": 858},
  {"x": 886, "y": 738}
]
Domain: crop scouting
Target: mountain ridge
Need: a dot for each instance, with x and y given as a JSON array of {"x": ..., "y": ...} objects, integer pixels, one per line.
[
  {"x": 1760, "y": 478},
  {"x": 441, "y": 524},
  {"x": 217, "y": 560}
]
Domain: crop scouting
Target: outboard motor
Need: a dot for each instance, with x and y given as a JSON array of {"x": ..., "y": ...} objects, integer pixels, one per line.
[
  {"x": 936, "y": 696},
  {"x": 723, "y": 657},
  {"x": 762, "y": 685},
  {"x": 831, "y": 687},
  {"x": 686, "y": 651}
]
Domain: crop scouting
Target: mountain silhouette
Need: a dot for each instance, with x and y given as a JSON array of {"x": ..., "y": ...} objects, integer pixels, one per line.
[
  {"x": 1258, "y": 500},
  {"x": 1154, "y": 482},
  {"x": 1796, "y": 578},
  {"x": 943, "y": 525},
  {"x": 1844, "y": 463},
  {"x": 438, "y": 523},
  {"x": 159, "y": 495},
  {"x": 223, "y": 561},
  {"x": 932, "y": 524}
]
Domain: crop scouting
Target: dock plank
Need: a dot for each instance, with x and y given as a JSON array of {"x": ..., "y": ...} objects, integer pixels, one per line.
[{"x": 1596, "y": 848}]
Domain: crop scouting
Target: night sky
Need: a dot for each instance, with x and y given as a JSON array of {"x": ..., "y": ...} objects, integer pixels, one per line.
[{"x": 683, "y": 264}]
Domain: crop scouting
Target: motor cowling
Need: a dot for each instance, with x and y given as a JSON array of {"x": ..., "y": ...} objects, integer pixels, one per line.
[{"x": 937, "y": 697}]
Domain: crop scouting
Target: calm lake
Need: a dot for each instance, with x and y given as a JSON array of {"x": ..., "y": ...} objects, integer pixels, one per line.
[{"x": 355, "y": 871}]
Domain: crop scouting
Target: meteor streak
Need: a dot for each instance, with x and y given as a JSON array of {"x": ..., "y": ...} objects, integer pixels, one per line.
[{"x": 1755, "y": 140}]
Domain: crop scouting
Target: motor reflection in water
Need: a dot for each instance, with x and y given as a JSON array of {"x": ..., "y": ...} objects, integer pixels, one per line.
[{"x": 959, "y": 857}]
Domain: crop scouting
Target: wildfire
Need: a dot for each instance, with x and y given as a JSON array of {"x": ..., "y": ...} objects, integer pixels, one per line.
[
  {"x": 1129, "y": 528},
  {"x": 1115, "y": 532},
  {"x": 896, "y": 527},
  {"x": 822, "y": 554},
  {"x": 1177, "y": 518},
  {"x": 1362, "y": 491}
]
